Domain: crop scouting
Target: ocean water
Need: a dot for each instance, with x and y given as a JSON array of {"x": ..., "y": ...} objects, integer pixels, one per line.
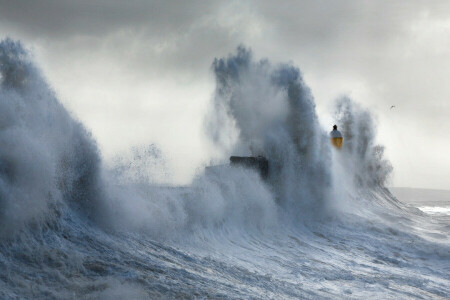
[
  {"x": 436, "y": 210},
  {"x": 433, "y": 202},
  {"x": 322, "y": 226}
]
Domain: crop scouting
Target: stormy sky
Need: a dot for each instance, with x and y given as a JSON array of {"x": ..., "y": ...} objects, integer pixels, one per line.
[{"x": 139, "y": 72}]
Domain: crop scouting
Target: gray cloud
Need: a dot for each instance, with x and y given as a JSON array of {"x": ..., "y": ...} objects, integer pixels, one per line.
[{"x": 62, "y": 19}]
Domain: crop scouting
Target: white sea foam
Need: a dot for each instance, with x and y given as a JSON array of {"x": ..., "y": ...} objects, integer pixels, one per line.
[{"x": 435, "y": 210}]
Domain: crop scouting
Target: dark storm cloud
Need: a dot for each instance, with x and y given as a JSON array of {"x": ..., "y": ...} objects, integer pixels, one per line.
[
  {"x": 148, "y": 36},
  {"x": 167, "y": 35},
  {"x": 337, "y": 27},
  {"x": 307, "y": 24},
  {"x": 358, "y": 39},
  {"x": 62, "y": 19}
]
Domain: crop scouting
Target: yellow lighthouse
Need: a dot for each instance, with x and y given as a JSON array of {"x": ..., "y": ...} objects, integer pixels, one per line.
[{"x": 336, "y": 138}]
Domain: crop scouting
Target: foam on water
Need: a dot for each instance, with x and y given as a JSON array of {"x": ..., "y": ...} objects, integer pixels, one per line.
[
  {"x": 436, "y": 210},
  {"x": 322, "y": 226}
]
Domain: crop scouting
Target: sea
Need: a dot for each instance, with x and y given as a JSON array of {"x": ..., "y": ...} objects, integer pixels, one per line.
[{"x": 323, "y": 225}]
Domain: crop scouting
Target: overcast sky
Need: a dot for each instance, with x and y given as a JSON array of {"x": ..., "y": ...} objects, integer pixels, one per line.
[{"x": 139, "y": 72}]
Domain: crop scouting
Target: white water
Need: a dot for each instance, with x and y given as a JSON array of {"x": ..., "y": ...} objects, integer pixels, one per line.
[
  {"x": 436, "y": 210},
  {"x": 321, "y": 226}
]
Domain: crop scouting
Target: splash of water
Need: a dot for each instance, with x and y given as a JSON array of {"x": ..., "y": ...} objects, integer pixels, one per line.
[
  {"x": 46, "y": 157},
  {"x": 50, "y": 160},
  {"x": 364, "y": 158},
  {"x": 225, "y": 224},
  {"x": 259, "y": 108}
]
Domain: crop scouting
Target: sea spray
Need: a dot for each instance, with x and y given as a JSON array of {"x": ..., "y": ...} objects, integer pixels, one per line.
[
  {"x": 49, "y": 159},
  {"x": 364, "y": 158},
  {"x": 264, "y": 109},
  {"x": 46, "y": 157},
  {"x": 213, "y": 238}
]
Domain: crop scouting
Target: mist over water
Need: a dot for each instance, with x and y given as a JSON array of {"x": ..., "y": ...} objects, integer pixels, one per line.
[{"x": 322, "y": 225}]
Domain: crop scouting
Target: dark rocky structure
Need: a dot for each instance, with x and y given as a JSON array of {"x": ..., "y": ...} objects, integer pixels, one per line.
[{"x": 259, "y": 163}]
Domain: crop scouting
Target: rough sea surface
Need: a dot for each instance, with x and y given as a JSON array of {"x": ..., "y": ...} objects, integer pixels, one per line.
[{"x": 322, "y": 226}]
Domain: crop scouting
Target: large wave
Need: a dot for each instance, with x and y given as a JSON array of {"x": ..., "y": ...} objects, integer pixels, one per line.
[
  {"x": 323, "y": 223},
  {"x": 264, "y": 109},
  {"x": 269, "y": 110},
  {"x": 46, "y": 157},
  {"x": 49, "y": 160}
]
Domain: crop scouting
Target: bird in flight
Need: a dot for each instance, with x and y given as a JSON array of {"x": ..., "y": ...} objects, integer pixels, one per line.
[{"x": 392, "y": 106}]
